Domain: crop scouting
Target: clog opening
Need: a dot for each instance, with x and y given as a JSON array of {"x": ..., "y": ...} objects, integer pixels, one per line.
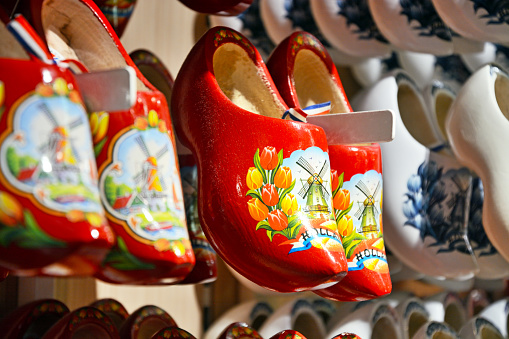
[
  {"x": 150, "y": 326},
  {"x": 243, "y": 82},
  {"x": 41, "y": 325},
  {"x": 385, "y": 329},
  {"x": 415, "y": 322},
  {"x": 9, "y": 46},
  {"x": 116, "y": 319},
  {"x": 412, "y": 113},
  {"x": 501, "y": 90},
  {"x": 308, "y": 325},
  {"x": 74, "y": 32},
  {"x": 258, "y": 321},
  {"x": 443, "y": 102},
  {"x": 489, "y": 333},
  {"x": 454, "y": 316},
  {"x": 91, "y": 331},
  {"x": 313, "y": 83}
]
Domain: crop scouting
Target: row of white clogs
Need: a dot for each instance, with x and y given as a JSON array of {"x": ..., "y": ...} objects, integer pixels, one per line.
[
  {"x": 447, "y": 155},
  {"x": 399, "y": 315},
  {"x": 373, "y": 36}
]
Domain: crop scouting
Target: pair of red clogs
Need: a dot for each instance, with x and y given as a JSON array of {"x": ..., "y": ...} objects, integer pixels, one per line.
[
  {"x": 59, "y": 215},
  {"x": 279, "y": 205}
]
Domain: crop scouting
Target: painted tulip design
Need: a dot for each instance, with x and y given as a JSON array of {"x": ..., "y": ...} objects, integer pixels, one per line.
[
  {"x": 269, "y": 158},
  {"x": 334, "y": 179},
  {"x": 289, "y": 204},
  {"x": 270, "y": 195},
  {"x": 257, "y": 209},
  {"x": 254, "y": 178},
  {"x": 11, "y": 212},
  {"x": 18, "y": 226},
  {"x": 341, "y": 200},
  {"x": 283, "y": 177},
  {"x": 345, "y": 226},
  {"x": 99, "y": 122},
  {"x": 272, "y": 205},
  {"x": 278, "y": 220}
]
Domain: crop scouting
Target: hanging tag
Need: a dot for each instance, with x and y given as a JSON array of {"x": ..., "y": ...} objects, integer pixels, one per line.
[
  {"x": 111, "y": 90},
  {"x": 356, "y": 127}
]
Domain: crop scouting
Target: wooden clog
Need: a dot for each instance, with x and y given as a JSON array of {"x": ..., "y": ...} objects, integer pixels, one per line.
[
  {"x": 135, "y": 150},
  {"x": 305, "y": 75},
  {"x": 263, "y": 183}
]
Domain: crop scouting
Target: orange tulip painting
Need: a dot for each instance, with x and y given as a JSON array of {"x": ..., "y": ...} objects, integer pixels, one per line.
[{"x": 268, "y": 158}]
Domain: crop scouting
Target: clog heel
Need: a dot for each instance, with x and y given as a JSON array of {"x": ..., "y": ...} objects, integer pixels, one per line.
[
  {"x": 477, "y": 127},
  {"x": 135, "y": 150},
  {"x": 305, "y": 75},
  {"x": 264, "y": 194},
  {"x": 50, "y": 206}
]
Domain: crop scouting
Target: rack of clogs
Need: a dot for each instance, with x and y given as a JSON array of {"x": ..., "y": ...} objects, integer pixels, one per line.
[{"x": 289, "y": 213}]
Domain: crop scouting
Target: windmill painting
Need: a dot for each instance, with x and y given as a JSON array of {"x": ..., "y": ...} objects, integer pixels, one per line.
[
  {"x": 367, "y": 210},
  {"x": 365, "y": 191},
  {"x": 49, "y": 154},
  {"x": 142, "y": 185},
  {"x": 311, "y": 168},
  {"x": 313, "y": 189}
]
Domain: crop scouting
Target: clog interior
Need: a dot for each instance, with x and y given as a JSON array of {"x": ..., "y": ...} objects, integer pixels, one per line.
[
  {"x": 9, "y": 46},
  {"x": 74, "y": 32},
  {"x": 308, "y": 325},
  {"x": 313, "y": 83},
  {"x": 415, "y": 321},
  {"x": 501, "y": 90},
  {"x": 443, "y": 102},
  {"x": 489, "y": 333},
  {"x": 244, "y": 83},
  {"x": 384, "y": 328},
  {"x": 413, "y": 114}
]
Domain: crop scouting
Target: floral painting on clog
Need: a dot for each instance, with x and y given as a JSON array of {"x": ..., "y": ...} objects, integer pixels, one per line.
[
  {"x": 46, "y": 150},
  {"x": 437, "y": 205},
  {"x": 141, "y": 185},
  {"x": 358, "y": 207},
  {"x": 292, "y": 197}
]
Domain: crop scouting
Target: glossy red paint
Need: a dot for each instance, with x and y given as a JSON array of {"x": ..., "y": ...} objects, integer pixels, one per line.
[
  {"x": 205, "y": 269},
  {"x": 84, "y": 321},
  {"x": 218, "y": 7},
  {"x": 136, "y": 258},
  {"x": 68, "y": 236},
  {"x": 145, "y": 322},
  {"x": 224, "y": 137},
  {"x": 350, "y": 160}
]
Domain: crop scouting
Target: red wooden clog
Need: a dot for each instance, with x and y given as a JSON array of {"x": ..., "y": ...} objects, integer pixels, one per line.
[
  {"x": 139, "y": 179},
  {"x": 113, "y": 309},
  {"x": 145, "y": 322},
  {"x": 304, "y": 74},
  {"x": 218, "y": 7},
  {"x": 205, "y": 269},
  {"x": 173, "y": 333},
  {"x": 239, "y": 330},
  {"x": 32, "y": 320},
  {"x": 49, "y": 200},
  {"x": 85, "y": 322},
  {"x": 264, "y": 196},
  {"x": 288, "y": 334}
]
